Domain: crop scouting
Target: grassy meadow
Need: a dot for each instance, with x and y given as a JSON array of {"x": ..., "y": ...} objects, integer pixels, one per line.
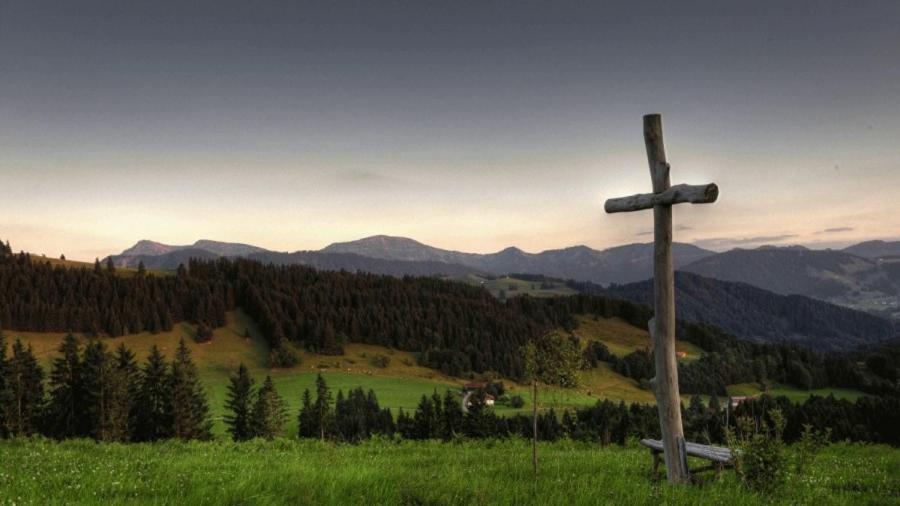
[
  {"x": 513, "y": 287},
  {"x": 792, "y": 393},
  {"x": 388, "y": 472}
]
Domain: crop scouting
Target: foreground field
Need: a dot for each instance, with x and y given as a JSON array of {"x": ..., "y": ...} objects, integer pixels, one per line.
[{"x": 386, "y": 472}]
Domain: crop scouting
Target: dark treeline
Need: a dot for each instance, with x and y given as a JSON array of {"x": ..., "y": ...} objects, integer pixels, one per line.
[
  {"x": 868, "y": 419},
  {"x": 36, "y": 296},
  {"x": 731, "y": 361},
  {"x": 456, "y": 328},
  {"x": 92, "y": 392},
  {"x": 358, "y": 416}
]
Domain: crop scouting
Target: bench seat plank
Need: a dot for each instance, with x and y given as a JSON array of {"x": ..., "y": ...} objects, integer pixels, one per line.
[{"x": 713, "y": 453}]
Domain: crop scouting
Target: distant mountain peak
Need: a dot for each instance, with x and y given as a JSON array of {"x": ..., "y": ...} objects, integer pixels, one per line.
[
  {"x": 148, "y": 247},
  {"x": 874, "y": 249}
]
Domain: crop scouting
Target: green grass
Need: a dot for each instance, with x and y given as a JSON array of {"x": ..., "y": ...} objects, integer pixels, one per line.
[
  {"x": 513, "y": 287},
  {"x": 792, "y": 393},
  {"x": 385, "y": 472},
  {"x": 623, "y": 338}
]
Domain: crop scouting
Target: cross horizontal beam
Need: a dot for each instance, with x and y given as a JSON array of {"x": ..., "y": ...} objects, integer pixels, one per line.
[{"x": 680, "y": 193}]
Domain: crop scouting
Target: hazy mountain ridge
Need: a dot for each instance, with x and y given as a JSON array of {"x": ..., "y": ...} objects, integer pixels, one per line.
[
  {"x": 875, "y": 249},
  {"x": 754, "y": 313},
  {"x": 620, "y": 264},
  {"x": 147, "y": 248},
  {"x": 830, "y": 275}
]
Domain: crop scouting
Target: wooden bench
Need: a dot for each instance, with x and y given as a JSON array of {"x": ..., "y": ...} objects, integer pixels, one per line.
[{"x": 719, "y": 456}]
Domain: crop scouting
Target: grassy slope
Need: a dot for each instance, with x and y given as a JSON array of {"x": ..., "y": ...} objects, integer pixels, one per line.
[
  {"x": 397, "y": 386},
  {"x": 521, "y": 287},
  {"x": 384, "y": 472},
  {"x": 76, "y": 264},
  {"x": 623, "y": 338}
]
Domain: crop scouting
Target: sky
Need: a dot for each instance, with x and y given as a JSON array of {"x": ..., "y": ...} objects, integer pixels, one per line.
[{"x": 465, "y": 125}]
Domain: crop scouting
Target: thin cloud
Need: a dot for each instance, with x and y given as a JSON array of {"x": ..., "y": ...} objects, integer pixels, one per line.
[
  {"x": 734, "y": 242},
  {"x": 367, "y": 177},
  {"x": 678, "y": 228},
  {"x": 835, "y": 230}
]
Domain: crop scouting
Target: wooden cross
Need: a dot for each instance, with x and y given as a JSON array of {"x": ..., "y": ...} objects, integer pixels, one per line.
[{"x": 662, "y": 326}]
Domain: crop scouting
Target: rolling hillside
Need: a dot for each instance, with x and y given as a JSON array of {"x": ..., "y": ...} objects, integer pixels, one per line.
[
  {"x": 753, "y": 313},
  {"x": 399, "y": 385},
  {"x": 874, "y": 249},
  {"x": 834, "y": 276}
]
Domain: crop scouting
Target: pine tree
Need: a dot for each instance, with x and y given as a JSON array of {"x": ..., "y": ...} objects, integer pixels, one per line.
[
  {"x": 190, "y": 411},
  {"x": 424, "y": 419},
  {"x": 306, "y": 420},
  {"x": 110, "y": 266},
  {"x": 405, "y": 425},
  {"x": 96, "y": 381},
  {"x": 322, "y": 408},
  {"x": 107, "y": 392},
  {"x": 453, "y": 415},
  {"x": 128, "y": 375},
  {"x": 65, "y": 414},
  {"x": 25, "y": 387},
  {"x": 153, "y": 411},
  {"x": 269, "y": 411},
  {"x": 240, "y": 405}
]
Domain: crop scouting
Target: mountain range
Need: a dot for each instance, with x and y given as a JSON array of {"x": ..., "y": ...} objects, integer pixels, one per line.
[
  {"x": 864, "y": 276},
  {"x": 401, "y": 255}
]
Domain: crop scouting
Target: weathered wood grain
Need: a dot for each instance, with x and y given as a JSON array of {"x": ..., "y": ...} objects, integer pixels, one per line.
[
  {"x": 713, "y": 453},
  {"x": 662, "y": 326},
  {"x": 668, "y": 400},
  {"x": 678, "y": 194}
]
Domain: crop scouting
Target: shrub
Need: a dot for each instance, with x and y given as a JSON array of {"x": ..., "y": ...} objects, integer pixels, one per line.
[
  {"x": 283, "y": 357},
  {"x": 204, "y": 334},
  {"x": 807, "y": 448},
  {"x": 380, "y": 360},
  {"x": 759, "y": 452},
  {"x": 516, "y": 401}
]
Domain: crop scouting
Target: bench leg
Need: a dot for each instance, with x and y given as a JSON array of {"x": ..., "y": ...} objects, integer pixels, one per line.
[
  {"x": 718, "y": 468},
  {"x": 656, "y": 460}
]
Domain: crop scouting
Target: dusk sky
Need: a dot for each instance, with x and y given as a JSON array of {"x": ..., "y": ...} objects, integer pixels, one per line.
[{"x": 469, "y": 126}]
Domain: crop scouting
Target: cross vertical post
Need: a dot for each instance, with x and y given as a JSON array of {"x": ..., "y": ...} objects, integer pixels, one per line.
[{"x": 662, "y": 326}]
